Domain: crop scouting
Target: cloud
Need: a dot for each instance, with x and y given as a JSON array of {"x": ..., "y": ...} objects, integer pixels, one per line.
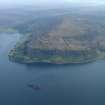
[{"x": 35, "y": 2}]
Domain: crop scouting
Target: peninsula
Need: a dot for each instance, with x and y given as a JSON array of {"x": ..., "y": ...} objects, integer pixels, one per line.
[{"x": 61, "y": 40}]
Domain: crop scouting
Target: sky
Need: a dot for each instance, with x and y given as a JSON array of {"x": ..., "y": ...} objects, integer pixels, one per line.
[{"x": 40, "y": 2}]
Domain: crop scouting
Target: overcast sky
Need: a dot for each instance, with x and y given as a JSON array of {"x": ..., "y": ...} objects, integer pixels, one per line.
[{"x": 37, "y": 2}]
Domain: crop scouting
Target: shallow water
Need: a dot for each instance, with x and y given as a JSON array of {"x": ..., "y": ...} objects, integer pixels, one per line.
[{"x": 59, "y": 85}]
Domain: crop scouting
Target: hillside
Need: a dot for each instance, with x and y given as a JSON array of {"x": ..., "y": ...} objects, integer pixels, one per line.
[{"x": 77, "y": 38}]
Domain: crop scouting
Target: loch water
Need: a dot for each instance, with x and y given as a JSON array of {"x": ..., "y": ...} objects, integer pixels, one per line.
[{"x": 59, "y": 84}]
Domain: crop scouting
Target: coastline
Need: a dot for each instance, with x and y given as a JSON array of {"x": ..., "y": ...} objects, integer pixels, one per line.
[{"x": 16, "y": 56}]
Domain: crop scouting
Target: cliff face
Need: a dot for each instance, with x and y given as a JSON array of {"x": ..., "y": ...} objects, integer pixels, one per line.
[{"x": 70, "y": 53}]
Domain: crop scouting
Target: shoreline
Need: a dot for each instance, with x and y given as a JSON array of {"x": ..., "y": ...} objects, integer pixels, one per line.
[{"x": 28, "y": 60}]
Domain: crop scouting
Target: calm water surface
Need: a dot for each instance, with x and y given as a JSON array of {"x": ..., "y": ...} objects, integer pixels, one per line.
[{"x": 60, "y": 85}]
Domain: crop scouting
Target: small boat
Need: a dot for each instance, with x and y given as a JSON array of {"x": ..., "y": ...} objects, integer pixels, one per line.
[{"x": 34, "y": 87}]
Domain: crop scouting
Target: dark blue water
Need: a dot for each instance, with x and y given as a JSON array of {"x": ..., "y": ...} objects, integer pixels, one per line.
[{"x": 59, "y": 85}]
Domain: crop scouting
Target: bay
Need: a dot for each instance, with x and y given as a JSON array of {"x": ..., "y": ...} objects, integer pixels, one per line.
[{"x": 59, "y": 84}]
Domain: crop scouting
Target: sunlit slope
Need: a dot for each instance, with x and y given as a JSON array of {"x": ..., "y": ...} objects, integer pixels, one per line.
[{"x": 62, "y": 37}]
